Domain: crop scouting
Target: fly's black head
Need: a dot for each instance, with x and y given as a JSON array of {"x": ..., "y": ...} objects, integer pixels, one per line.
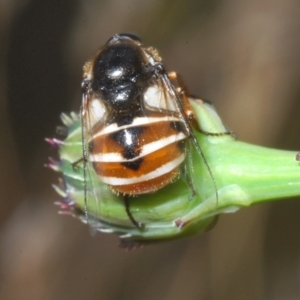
[{"x": 121, "y": 72}]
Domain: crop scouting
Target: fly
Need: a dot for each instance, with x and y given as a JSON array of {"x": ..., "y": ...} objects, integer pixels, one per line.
[{"x": 136, "y": 121}]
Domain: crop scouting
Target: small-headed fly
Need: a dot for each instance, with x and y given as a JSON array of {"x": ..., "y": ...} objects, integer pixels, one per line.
[{"x": 136, "y": 121}]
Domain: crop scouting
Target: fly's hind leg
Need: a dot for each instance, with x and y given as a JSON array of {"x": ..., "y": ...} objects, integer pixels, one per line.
[
  {"x": 189, "y": 181},
  {"x": 129, "y": 214},
  {"x": 183, "y": 92}
]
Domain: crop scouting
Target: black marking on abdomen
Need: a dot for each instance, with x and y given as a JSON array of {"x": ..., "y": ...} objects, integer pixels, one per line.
[
  {"x": 133, "y": 165},
  {"x": 129, "y": 139},
  {"x": 178, "y": 126},
  {"x": 182, "y": 145}
]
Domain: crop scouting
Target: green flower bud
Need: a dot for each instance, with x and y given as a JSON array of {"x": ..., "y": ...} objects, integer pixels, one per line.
[{"x": 242, "y": 175}]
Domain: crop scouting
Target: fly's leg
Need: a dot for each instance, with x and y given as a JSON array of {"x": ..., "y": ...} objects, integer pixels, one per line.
[
  {"x": 75, "y": 163},
  {"x": 183, "y": 92},
  {"x": 189, "y": 181},
  {"x": 218, "y": 133},
  {"x": 129, "y": 214}
]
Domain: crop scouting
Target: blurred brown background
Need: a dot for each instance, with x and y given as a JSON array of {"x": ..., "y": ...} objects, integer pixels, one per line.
[{"x": 241, "y": 55}]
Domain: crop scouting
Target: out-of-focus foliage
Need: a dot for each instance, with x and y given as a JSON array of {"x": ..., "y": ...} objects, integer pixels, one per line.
[{"x": 241, "y": 55}]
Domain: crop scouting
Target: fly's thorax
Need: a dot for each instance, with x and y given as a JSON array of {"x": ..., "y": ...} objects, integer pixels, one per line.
[{"x": 120, "y": 73}]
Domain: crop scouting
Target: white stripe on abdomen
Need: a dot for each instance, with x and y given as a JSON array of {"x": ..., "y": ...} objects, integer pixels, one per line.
[
  {"x": 164, "y": 169},
  {"x": 146, "y": 149},
  {"x": 139, "y": 121}
]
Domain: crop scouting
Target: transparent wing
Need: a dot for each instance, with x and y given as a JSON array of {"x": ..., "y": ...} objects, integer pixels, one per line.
[
  {"x": 95, "y": 192},
  {"x": 170, "y": 99}
]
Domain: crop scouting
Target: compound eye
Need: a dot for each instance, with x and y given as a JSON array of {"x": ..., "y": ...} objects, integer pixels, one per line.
[{"x": 122, "y": 36}]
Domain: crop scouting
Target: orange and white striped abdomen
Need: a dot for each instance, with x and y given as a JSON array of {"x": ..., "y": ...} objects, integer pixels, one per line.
[{"x": 141, "y": 157}]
